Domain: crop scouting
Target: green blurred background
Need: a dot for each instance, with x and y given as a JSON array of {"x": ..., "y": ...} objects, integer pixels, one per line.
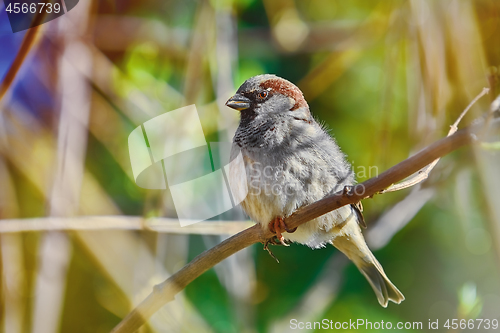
[{"x": 387, "y": 77}]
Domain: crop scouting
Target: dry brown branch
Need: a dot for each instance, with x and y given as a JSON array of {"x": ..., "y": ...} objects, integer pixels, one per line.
[
  {"x": 28, "y": 41},
  {"x": 424, "y": 173},
  {"x": 165, "y": 292}
]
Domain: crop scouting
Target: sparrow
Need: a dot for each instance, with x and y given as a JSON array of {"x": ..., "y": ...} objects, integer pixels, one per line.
[{"x": 291, "y": 161}]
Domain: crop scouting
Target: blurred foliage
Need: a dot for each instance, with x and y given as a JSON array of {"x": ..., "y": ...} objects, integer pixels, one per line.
[{"x": 385, "y": 77}]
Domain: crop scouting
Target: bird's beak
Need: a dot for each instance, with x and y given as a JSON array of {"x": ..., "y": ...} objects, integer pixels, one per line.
[{"x": 238, "y": 102}]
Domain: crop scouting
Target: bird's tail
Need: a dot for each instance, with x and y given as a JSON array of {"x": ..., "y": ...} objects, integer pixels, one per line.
[{"x": 355, "y": 248}]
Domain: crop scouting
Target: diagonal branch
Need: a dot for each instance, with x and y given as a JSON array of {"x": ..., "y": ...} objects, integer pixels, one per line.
[
  {"x": 424, "y": 173},
  {"x": 29, "y": 40},
  {"x": 165, "y": 292}
]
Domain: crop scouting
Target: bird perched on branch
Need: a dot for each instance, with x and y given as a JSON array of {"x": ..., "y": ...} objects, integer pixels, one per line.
[{"x": 291, "y": 161}]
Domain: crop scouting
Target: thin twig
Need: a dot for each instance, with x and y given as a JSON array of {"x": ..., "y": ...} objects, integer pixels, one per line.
[
  {"x": 28, "y": 41},
  {"x": 165, "y": 292},
  {"x": 423, "y": 174},
  {"x": 454, "y": 127}
]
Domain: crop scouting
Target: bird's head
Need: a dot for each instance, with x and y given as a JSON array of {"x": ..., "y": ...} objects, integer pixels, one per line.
[{"x": 268, "y": 95}]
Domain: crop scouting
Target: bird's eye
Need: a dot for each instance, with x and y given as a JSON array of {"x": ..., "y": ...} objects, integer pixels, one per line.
[{"x": 263, "y": 94}]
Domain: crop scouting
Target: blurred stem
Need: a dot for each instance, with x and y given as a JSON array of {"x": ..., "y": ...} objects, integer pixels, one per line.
[
  {"x": 165, "y": 292},
  {"x": 117, "y": 222},
  {"x": 28, "y": 41}
]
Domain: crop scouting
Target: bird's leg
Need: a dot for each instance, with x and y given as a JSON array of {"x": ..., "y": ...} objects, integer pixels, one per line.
[
  {"x": 347, "y": 190},
  {"x": 277, "y": 226},
  {"x": 284, "y": 226}
]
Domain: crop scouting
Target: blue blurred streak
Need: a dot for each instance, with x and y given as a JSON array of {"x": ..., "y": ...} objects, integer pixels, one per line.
[
  {"x": 27, "y": 89},
  {"x": 9, "y": 42}
]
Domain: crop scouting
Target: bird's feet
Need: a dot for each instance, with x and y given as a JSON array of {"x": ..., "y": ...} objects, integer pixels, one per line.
[
  {"x": 277, "y": 226},
  {"x": 347, "y": 190}
]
